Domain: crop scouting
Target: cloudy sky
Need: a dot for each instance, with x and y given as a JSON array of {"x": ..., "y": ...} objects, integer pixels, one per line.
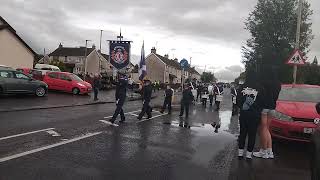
[{"x": 209, "y": 31}]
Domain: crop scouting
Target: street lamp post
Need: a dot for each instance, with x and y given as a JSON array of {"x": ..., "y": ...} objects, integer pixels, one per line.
[
  {"x": 297, "y": 45},
  {"x": 85, "y": 62}
]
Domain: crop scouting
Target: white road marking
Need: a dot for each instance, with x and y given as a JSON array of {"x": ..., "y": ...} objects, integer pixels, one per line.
[
  {"x": 152, "y": 118},
  {"x": 27, "y": 133},
  {"x": 109, "y": 123},
  {"x": 53, "y": 133},
  {"x": 48, "y": 147},
  {"x": 107, "y": 117},
  {"x": 134, "y": 114}
]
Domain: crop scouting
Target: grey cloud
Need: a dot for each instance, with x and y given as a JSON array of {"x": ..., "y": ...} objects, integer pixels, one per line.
[
  {"x": 229, "y": 73},
  {"x": 46, "y": 23}
]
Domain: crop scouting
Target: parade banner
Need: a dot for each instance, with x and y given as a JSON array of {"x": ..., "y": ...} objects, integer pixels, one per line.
[{"x": 119, "y": 54}]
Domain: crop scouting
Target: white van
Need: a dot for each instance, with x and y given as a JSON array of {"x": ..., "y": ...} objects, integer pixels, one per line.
[{"x": 46, "y": 67}]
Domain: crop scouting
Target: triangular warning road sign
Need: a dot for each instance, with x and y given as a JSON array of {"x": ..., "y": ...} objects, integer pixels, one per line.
[{"x": 296, "y": 58}]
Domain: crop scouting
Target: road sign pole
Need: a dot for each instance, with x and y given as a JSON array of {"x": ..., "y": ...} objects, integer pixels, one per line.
[{"x": 297, "y": 46}]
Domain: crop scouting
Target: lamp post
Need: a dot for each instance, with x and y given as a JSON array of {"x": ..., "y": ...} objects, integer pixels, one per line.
[
  {"x": 297, "y": 45},
  {"x": 85, "y": 62}
]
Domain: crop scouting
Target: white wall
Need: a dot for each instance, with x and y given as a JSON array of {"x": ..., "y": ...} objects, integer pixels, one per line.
[{"x": 13, "y": 53}]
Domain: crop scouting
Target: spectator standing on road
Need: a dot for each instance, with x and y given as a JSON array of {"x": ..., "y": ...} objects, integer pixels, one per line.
[
  {"x": 96, "y": 86},
  {"x": 186, "y": 100},
  {"x": 211, "y": 93},
  {"x": 147, "y": 93},
  {"x": 234, "y": 99},
  {"x": 250, "y": 101},
  {"x": 218, "y": 91},
  {"x": 121, "y": 93},
  {"x": 168, "y": 93},
  {"x": 272, "y": 87},
  {"x": 199, "y": 91}
]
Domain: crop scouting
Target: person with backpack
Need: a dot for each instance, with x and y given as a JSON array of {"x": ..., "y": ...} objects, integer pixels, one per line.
[
  {"x": 250, "y": 101},
  {"x": 272, "y": 87}
]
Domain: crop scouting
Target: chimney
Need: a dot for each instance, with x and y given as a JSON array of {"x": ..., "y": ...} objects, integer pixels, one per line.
[
  {"x": 153, "y": 50},
  {"x": 60, "y": 45},
  {"x": 166, "y": 56}
]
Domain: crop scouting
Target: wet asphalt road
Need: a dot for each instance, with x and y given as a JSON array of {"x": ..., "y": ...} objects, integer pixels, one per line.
[{"x": 165, "y": 147}]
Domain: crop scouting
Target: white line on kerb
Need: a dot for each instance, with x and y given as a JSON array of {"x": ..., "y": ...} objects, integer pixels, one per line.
[
  {"x": 151, "y": 118},
  {"x": 48, "y": 147},
  {"x": 27, "y": 133}
]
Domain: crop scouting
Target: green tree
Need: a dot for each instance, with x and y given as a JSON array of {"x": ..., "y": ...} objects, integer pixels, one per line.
[
  {"x": 208, "y": 77},
  {"x": 272, "y": 26}
]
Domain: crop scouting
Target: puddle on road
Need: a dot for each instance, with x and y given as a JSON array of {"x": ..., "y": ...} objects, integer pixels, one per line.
[{"x": 223, "y": 123}]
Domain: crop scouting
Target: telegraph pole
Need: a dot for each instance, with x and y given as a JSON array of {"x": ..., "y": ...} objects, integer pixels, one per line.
[
  {"x": 297, "y": 45},
  {"x": 85, "y": 56}
]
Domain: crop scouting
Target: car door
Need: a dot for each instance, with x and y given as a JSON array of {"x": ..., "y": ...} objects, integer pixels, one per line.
[
  {"x": 25, "y": 84},
  {"x": 52, "y": 79},
  {"x": 66, "y": 82},
  {"x": 7, "y": 81}
]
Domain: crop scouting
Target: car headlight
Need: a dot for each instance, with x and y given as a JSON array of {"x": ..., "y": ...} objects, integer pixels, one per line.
[
  {"x": 81, "y": 85},
  {"x": 280, "y": 116}
]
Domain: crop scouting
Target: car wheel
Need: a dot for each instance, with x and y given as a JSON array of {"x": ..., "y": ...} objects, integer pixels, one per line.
[
  {"x": 75, "y": 91},
  {"x": 41, "y": 91}
]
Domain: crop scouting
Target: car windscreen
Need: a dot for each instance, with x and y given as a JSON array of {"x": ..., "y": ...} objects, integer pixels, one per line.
[
  {"x": 75, "y": 78},
  {"x": 301, "y": 94}
]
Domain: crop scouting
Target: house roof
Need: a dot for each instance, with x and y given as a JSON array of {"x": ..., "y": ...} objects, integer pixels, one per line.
[
  {"x": 105, "y": 56},
  {"x": 193, "y": 71},
  {"x": 7, "y": 26},
  {"x": 71, "y": 51},
  {"x": 169, "y": 62}
]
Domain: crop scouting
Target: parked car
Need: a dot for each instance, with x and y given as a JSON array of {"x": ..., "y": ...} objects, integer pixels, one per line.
[
  {"x": 295, "y": 117},
  {"x": 315, "y": 159},
  {"x": 15, "y": 82},
  {"x": 68, "y": 82},
  {"x": 44, "y": 68}
]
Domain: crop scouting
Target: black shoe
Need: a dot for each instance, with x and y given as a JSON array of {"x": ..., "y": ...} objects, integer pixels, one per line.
[
  {"x": 139, "y": 118},
  {"x": 149, "y": 117},
  {"x": 112, "y": 121},
  {"x": 169, "y": 112},
  {"x": 161, "y": 112},
  {"x": 180, "y": 115},
  {"x": 122, "y": 120}
]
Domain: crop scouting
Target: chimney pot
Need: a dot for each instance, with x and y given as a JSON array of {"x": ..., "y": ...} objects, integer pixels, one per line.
[{"x": 153, "y": 50}]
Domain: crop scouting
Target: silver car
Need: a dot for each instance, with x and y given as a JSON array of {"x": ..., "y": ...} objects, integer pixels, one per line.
[{"x": 15, "y": 82}]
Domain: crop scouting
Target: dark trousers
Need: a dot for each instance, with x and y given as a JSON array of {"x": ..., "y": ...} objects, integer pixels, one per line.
[
  {"x": 146, "y": 108},
  {"x": 204, "y": 102},
  {"x": 211, "y": 99},
  {"x": 199, "y": 95},
  {"x": 118, "y": 111},
  {"x": 217, "y": 104},
  {"x": 167, "y": 102},
  {"x": 248, "y": 127},
  {"x": 184, "y": 106},
  {"x": 95, "y": 92}
]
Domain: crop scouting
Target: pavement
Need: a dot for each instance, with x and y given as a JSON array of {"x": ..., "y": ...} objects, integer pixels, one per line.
[
  {"x": 79, "y": 143},
  {"x": 56, "y": 99}
]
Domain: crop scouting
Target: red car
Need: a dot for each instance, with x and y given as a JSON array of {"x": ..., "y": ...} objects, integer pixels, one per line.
[
  {"x": 296, "y": 117},
  {"x": 68, "y": 82}
]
